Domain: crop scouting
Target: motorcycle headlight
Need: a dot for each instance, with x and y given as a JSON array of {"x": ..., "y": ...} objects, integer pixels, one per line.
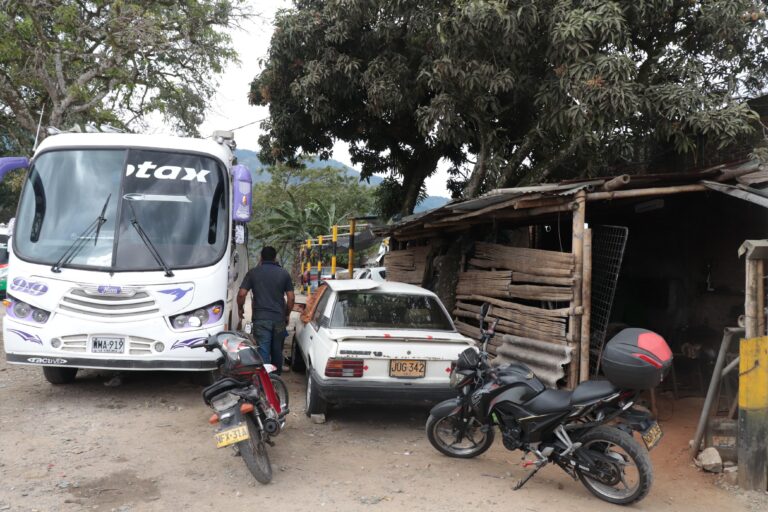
[
  {"x": 199, "y": 317},
  {"x": 224, "y": 401},
  {"x": 20, "y": 310}
]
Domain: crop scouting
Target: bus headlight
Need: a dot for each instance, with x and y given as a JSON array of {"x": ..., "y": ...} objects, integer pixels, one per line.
[
  {"x": 198, "y": 317},
  {"x": 20, "y": 310}
]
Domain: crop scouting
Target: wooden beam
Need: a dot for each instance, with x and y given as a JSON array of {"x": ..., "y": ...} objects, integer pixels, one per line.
[
  {"x": 586, "y": 324},
  {"x": 645, "y": 192},
  {"x": 753, "y": 414}
]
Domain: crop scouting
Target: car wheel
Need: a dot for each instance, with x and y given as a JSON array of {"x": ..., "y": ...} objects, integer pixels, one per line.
[
  {"x": 297, "y": 358},
  {"x": 315, "y": 403},
  {"x": 59, "y": 375}
]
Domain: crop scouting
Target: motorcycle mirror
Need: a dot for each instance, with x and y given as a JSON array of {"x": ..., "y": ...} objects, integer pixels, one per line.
[{"x": 484, "y": 309}]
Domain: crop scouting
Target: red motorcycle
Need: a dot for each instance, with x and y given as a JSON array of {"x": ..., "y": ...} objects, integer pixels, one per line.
[{"x": 250, "y": 402}]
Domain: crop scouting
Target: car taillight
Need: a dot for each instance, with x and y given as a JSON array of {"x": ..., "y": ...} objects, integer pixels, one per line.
[{"x": 344, "y": 368}]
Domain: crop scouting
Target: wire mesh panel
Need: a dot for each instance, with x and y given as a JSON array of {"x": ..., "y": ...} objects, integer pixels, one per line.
[{"x": 608, "y": 243}]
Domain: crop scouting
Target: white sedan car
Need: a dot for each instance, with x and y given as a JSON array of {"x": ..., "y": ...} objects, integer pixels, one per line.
[{"x": 370, "y": 341}]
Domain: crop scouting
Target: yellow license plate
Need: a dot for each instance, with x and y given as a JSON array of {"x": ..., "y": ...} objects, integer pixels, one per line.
[
  {"x": 652, "y": 436},
  {"x": 406, "y": 368},
  {"x": 231, "y": 436}
]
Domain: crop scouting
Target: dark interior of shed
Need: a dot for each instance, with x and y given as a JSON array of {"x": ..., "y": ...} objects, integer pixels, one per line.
[{"x": 681, "y": 275}]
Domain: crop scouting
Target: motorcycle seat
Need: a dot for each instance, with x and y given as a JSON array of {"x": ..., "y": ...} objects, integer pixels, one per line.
[
  {"x": 591, "y": 391},
  {"x": 550, "y": 400}
]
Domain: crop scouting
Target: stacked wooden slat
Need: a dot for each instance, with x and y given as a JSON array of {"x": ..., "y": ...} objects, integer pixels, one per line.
[
  {"x": 407, "y": 265},
  {"x": 527, "y": 322},
  {"x": 521, "y": 285}
]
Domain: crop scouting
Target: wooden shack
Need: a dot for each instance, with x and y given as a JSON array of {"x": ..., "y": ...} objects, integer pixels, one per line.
[{"x": 564, "y": 265}]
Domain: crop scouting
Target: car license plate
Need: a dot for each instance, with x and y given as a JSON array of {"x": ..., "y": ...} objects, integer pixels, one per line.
[
  {"x": 652, "y": 436},
  {"x": 231, "y": 436},
  {"x": 107, "y": 345},
  {"x": 406, "y": 368}
]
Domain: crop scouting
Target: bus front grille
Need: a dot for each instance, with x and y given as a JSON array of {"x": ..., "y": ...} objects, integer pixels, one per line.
[{"x": 108, "y": 307}]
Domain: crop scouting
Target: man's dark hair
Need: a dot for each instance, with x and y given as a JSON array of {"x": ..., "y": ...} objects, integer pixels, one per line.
[{"x": 268, "y": 253}]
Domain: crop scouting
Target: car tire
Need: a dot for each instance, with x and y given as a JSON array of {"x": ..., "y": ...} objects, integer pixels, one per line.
[
  {"x": 59, "y": 375},
  {"x": 297, "y": 358},
  {"x": 315, "y": 403}
]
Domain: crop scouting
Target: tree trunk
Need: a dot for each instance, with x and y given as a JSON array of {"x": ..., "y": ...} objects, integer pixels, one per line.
[
  {"x": 416, "y": 171},
  {"x": 480, "y": 170}
]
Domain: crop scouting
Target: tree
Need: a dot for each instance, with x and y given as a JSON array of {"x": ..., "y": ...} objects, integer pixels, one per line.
[
  {"x": 301, "y": 203},
  {"x": 352, "y": 71},
  {"x": 565, "y": 88},
  {"x": 112, "y": 62},
  {"x": 529, "y": 90}
]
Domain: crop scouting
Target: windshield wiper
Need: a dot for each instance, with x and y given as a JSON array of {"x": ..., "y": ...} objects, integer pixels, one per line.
[
  {"x": 82, "y": 238},
  {"x": 150, "y": 246}
]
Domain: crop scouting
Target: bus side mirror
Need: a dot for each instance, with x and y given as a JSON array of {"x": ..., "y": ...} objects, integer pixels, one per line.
[
  {"x": 242, "y": 196},
  {"x": 11, "y": 163}
]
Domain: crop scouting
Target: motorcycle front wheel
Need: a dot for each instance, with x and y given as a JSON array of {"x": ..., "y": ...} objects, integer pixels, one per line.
[
  {"x": 624, "y": 467},
  {"x": 452, "y": 437},
  {"x": 254, "y": 453}
]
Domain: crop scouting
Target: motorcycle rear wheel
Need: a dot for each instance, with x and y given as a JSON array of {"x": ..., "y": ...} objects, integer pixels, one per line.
[
  {"x": 443, "y": 434},
  {"x": 630, "y": 463},
  {"x": 254, "y": 453},
  {"x": 281, "y": 390}
]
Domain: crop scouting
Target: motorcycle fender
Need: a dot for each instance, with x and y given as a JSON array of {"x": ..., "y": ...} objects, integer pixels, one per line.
[
  {"x": 637, "y": 420},
  {"x": 446, "y": 408}
]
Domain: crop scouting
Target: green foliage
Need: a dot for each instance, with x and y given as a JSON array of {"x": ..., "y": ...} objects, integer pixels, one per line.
[
  {"x": 110, "y": 62},
  {"x": 301, "y": 203},
  {"x": 532, "y": 90},
  {"x": 350, "y": 70}
]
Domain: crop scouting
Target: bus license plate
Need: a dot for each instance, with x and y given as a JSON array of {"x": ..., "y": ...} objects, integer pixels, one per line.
[
  {"x": 231, "y": 436},
  {"x": 652, "y": 436},
  {"x": 107, "y": 345},
  {"x": 406, "y": 368}
]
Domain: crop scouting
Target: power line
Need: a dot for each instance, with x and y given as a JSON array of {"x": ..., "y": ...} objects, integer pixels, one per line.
[{"x": 249, "y": 124}]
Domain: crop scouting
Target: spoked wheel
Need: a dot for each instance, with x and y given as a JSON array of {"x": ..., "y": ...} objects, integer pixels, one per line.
[
  {"x": 621, "y": 466},
  {"x": 254, "y": 453},
  {"x": 452, "y": 437}
]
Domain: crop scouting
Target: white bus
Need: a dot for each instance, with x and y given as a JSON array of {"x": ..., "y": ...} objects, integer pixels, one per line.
[{"x": 125, "y": 250}]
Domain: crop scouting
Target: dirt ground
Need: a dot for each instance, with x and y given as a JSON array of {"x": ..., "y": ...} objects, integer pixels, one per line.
[{"x": 146, "y": 445}]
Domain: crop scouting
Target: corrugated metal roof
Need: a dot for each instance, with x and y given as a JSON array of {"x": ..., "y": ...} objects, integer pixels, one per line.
[{"x": 545, "y": 359}]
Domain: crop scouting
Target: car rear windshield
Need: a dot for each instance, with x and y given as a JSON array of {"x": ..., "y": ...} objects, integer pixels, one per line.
[{"x": 371, "y": 310}]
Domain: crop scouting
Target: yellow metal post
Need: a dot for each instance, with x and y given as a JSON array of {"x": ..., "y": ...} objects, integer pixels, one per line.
[
  {"x": 753, "y": 414},
  {"x": 351, "y": 263},
  {"x": 320, "y": 257},
  {"x": 334, "y": 238},
  {"x": 309, "y": 266}
]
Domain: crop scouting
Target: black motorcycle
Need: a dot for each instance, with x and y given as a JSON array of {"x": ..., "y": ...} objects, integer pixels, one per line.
[
  {"x": 250, "y": 402},
  {"x": 588, "y": 432}
]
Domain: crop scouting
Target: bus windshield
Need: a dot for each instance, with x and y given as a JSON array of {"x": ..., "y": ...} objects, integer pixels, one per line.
[{"x": 178, "y": 199}]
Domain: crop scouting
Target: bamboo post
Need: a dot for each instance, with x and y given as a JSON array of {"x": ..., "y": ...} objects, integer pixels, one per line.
[
  {"x": 586, "y": 321},
  {"x": 334, "y": 239},
  {"x": 351, "y": 263},
  {"x": 760, "y": 297},
  {"x": 577, "y": 248}
]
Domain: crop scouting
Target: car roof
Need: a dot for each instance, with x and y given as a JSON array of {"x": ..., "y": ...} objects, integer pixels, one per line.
[{"x": 343, "y": 285}]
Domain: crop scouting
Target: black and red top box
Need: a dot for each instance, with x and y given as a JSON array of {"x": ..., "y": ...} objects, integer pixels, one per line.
[{"x": 636, "y": 359}]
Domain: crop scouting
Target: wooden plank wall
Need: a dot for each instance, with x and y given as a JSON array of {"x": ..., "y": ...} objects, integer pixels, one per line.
[
  {"x": 530, "y": 291},
  {"x": 407, "y": 265}
]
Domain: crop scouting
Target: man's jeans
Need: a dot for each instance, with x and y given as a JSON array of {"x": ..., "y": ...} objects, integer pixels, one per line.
[{"x": 270, "y": 337}]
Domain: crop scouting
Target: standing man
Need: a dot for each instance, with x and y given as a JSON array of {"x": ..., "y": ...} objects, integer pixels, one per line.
[{"x": 272, "y": 302}]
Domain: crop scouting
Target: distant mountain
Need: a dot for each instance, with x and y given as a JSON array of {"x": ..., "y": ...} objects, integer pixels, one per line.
[{"x": 259, "y": 173}]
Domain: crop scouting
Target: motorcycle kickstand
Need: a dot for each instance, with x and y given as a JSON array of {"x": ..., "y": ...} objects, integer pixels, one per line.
[{"x": 539, "y": 464}]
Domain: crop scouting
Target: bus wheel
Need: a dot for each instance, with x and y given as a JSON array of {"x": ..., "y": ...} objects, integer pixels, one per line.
[{"x": 59, "y": 375}]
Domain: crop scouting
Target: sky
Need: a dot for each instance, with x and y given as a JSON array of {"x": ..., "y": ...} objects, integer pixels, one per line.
[{"x": 230, "y": 109}]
